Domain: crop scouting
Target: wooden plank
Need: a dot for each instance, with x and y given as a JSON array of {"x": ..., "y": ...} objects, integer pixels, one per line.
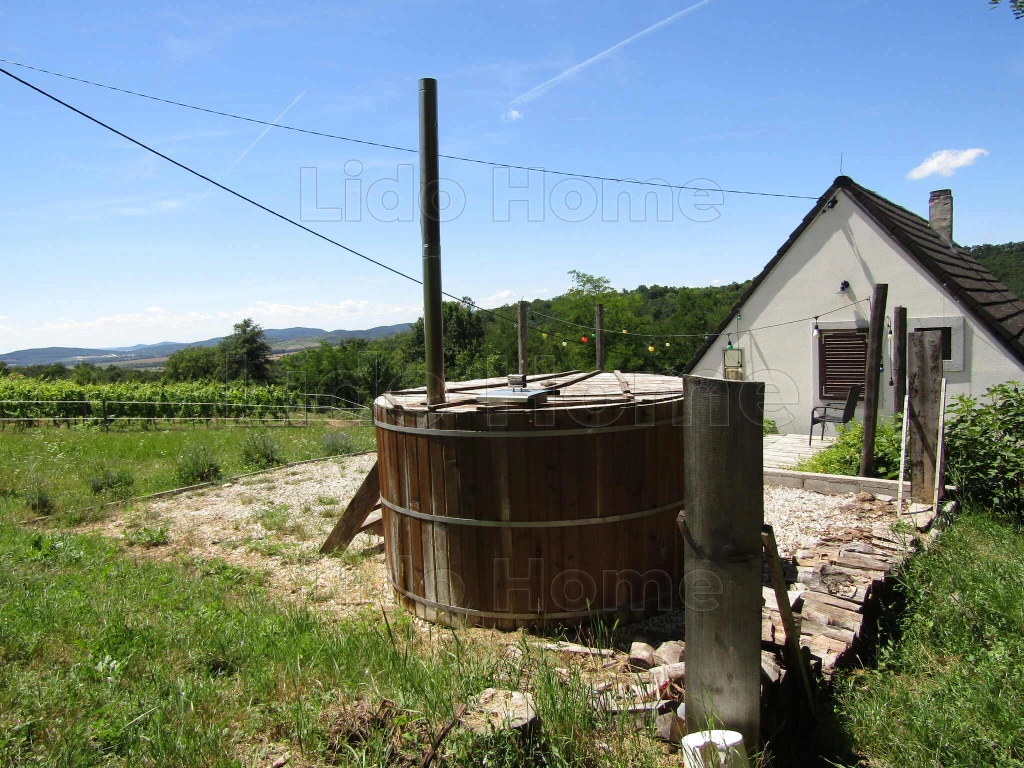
[
  {"x": 622, "y": 382},
  {"x": 924, "y": 370},
  {"x": 795, "y": 657},
  {"x": 825, "y": 613},
  {"x": 366, "y": 498}
]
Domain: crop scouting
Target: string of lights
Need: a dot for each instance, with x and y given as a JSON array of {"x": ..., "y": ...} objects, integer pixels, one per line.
[{"x": 395, "y": 147}]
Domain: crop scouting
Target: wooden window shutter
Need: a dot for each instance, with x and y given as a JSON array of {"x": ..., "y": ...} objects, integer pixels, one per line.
[{"x": 842, "y": 362}]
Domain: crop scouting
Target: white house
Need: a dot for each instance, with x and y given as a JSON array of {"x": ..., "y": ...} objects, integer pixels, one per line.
[{"x": 824, "y": 275}]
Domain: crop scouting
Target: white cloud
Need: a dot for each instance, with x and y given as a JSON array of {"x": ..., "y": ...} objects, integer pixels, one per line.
[
  {"x": 512, "y": 114},
  {"x": 155, "y": 309},
  {"x": 498, "y": 299},
  {"x": 945, "y": 162},
  {"x": 716, "y": 282}
]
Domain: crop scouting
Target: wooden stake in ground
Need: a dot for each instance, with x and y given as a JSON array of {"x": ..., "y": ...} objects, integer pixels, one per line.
[
  {"x": 599, "y": 335},
  {"x": 940, "y": 443},
  {"x": 899, "y": 358},
  {"x": 724, "y": 503},
  {"x": 924, "y": 380},
  {"x": 903, "y": 456},
  {"x": 872, "y": 373},
  {"x": 355, "y": 513},
  {"x": 794, "y": 656}
]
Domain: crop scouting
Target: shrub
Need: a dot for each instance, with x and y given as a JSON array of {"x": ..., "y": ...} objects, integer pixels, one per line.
[
  {"x": 117, "y": 483},
  {"x": 769, "y": 428},
  {"x": 149, "y": 537},
  {"x": 260, "y": 450},
  {"x": 338, "y": 444},
  {"x": 197, "y": 464},
  {"x": 985, "y": 450},
  {"x": 843, "y": 456},
  {"x": 37, "y": 498}
]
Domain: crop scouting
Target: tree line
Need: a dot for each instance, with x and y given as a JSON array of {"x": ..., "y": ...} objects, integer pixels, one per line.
[{"x": 648, "y": 328}]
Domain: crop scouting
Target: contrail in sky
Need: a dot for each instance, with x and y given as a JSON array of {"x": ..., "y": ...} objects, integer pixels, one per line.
[
  {"x": 533, "y": 93},
  {"x": 267, "y": 130}
]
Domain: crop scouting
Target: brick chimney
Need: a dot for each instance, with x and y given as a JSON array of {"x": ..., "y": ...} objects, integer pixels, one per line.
[{"x": 940, "y": 212}]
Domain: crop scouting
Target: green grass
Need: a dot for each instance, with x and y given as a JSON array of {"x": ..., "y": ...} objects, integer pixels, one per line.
[
  {"x": 949, "y": 686},
  {"x": 59, "y": 471},
  {"x": 110, "y": 660}
]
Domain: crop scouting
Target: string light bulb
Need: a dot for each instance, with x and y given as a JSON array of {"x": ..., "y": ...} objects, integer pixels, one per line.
[
  {"x": 650, "y": 348},
  {"x": 583, "y": 338},
  {"x": 543, "y": 335},
  {"x": 624, "y": 330},
  {"x": 668, "y": 343},
  {"x": 817, "y": 331},
  {"x": 729, "y": 344},
  {"x": 565, "y": 343}
]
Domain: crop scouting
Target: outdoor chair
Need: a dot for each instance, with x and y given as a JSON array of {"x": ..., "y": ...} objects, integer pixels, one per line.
[{"x": 821, "y": 415}]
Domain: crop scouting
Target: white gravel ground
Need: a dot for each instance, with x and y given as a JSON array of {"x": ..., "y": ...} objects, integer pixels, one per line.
[{"x": 275, "y": 522}]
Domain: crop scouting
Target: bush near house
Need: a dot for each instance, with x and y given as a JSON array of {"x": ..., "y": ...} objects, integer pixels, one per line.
[
  {"x": 985, "y": 450},
  {"x": 843, "y": 456}
]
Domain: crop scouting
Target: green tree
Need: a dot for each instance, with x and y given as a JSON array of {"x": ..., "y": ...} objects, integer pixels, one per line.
[
  {"x": 464, "y": 335},
  {"x": 1017, "y": 6},
  {"x": 195, "y": 363},
  {"x": 246, "y": 352},
  {"x": 3, "y": 368}
]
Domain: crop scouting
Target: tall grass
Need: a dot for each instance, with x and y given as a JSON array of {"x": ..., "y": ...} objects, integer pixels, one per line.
[
  {"x": 949, "y": 687},
  {"x": 66, "y": 468},
  {"x": 107, "y": 660}
]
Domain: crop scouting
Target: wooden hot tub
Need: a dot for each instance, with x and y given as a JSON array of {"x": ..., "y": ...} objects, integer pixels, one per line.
[{"x": 511, "y": 515}]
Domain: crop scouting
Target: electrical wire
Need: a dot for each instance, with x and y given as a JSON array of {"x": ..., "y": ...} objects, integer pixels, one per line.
[{"x": 395, "y": 147}]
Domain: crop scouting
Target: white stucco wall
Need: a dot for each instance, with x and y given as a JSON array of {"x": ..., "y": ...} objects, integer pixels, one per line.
[{"x": 846, "y": 244}]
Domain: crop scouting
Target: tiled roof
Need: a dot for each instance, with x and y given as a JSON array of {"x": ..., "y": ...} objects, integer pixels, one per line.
[{"x": 968, "y": 282}]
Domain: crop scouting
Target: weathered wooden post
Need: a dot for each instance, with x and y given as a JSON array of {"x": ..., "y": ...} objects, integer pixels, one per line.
[
  {"x": 872, "y": 373},
  {"x": 724, "y": 506},
  {"x": 924, "y": 380},
  {"x": 521, "y": 329},
  {"x": 430, "y": 230},
  {"x": 599, "y": 335},
  {"x": 899, "y": 358}
]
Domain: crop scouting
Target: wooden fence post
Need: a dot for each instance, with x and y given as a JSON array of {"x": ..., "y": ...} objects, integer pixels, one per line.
[
  {"x": 899, "y": 358},
  {"x": 599, "y": 335},
  {"x": 924, "y": 380},
  {"x": 724, "y": 507},
  {"x": 521, "y": 328},
  {"x": 871, "y": 374}
]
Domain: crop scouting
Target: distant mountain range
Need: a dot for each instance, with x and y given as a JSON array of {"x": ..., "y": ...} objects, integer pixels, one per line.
[{"x": 282, "y": 340}]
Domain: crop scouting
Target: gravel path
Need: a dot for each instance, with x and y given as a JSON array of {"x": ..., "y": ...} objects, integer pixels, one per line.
[{"x": 273, "y": 523}]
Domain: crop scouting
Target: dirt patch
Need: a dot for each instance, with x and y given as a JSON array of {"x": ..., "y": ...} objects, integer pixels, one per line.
[{"x": 273, "y": 523}]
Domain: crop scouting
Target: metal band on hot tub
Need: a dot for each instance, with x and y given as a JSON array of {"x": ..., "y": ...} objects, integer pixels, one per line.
[
  {"x": 529, "y": 523},
  {"x": 541, "y": 432}
]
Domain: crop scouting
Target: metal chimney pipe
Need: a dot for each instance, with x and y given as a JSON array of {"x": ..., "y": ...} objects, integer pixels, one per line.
[{"x": 430, "y": 229}]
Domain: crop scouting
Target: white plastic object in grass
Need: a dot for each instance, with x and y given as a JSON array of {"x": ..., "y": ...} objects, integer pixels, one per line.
[{"x": 714, "y": 749}]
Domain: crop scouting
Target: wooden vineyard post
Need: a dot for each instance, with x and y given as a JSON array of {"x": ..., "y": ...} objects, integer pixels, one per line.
[
  {"x": 599, "y": 335},
  {"x": 924, "y": 380},
  {"x": 355, "y": 513},
  {"x": 521, "y": 330},
  {"x": 872, "y": 374},
  {"x": 899, "y": 358},
  {"x": 724, "y": 506}
]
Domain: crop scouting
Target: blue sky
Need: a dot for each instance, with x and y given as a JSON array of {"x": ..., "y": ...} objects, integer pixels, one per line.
[{"x": 105, "y": 245}]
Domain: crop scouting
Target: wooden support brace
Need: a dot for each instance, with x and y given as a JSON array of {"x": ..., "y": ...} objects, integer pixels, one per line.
[
  {"x": 355, "y": 514},
  {"x": 794, "y": 656}
]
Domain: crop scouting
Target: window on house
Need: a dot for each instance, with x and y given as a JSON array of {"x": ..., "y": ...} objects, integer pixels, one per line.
[
  {"x": 842, "y": 360},
  {"x": 947, "y": 339}
]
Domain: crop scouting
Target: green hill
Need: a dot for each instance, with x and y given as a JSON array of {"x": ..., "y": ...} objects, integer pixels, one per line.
[{"x": 1005, "y": 261}]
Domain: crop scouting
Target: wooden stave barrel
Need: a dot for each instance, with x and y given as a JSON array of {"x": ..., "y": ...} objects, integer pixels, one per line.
[{"x": 621, "y": 460}]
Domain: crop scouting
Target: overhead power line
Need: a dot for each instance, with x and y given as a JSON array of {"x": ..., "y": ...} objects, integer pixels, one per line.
[{"x": 395, "y": 147}]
